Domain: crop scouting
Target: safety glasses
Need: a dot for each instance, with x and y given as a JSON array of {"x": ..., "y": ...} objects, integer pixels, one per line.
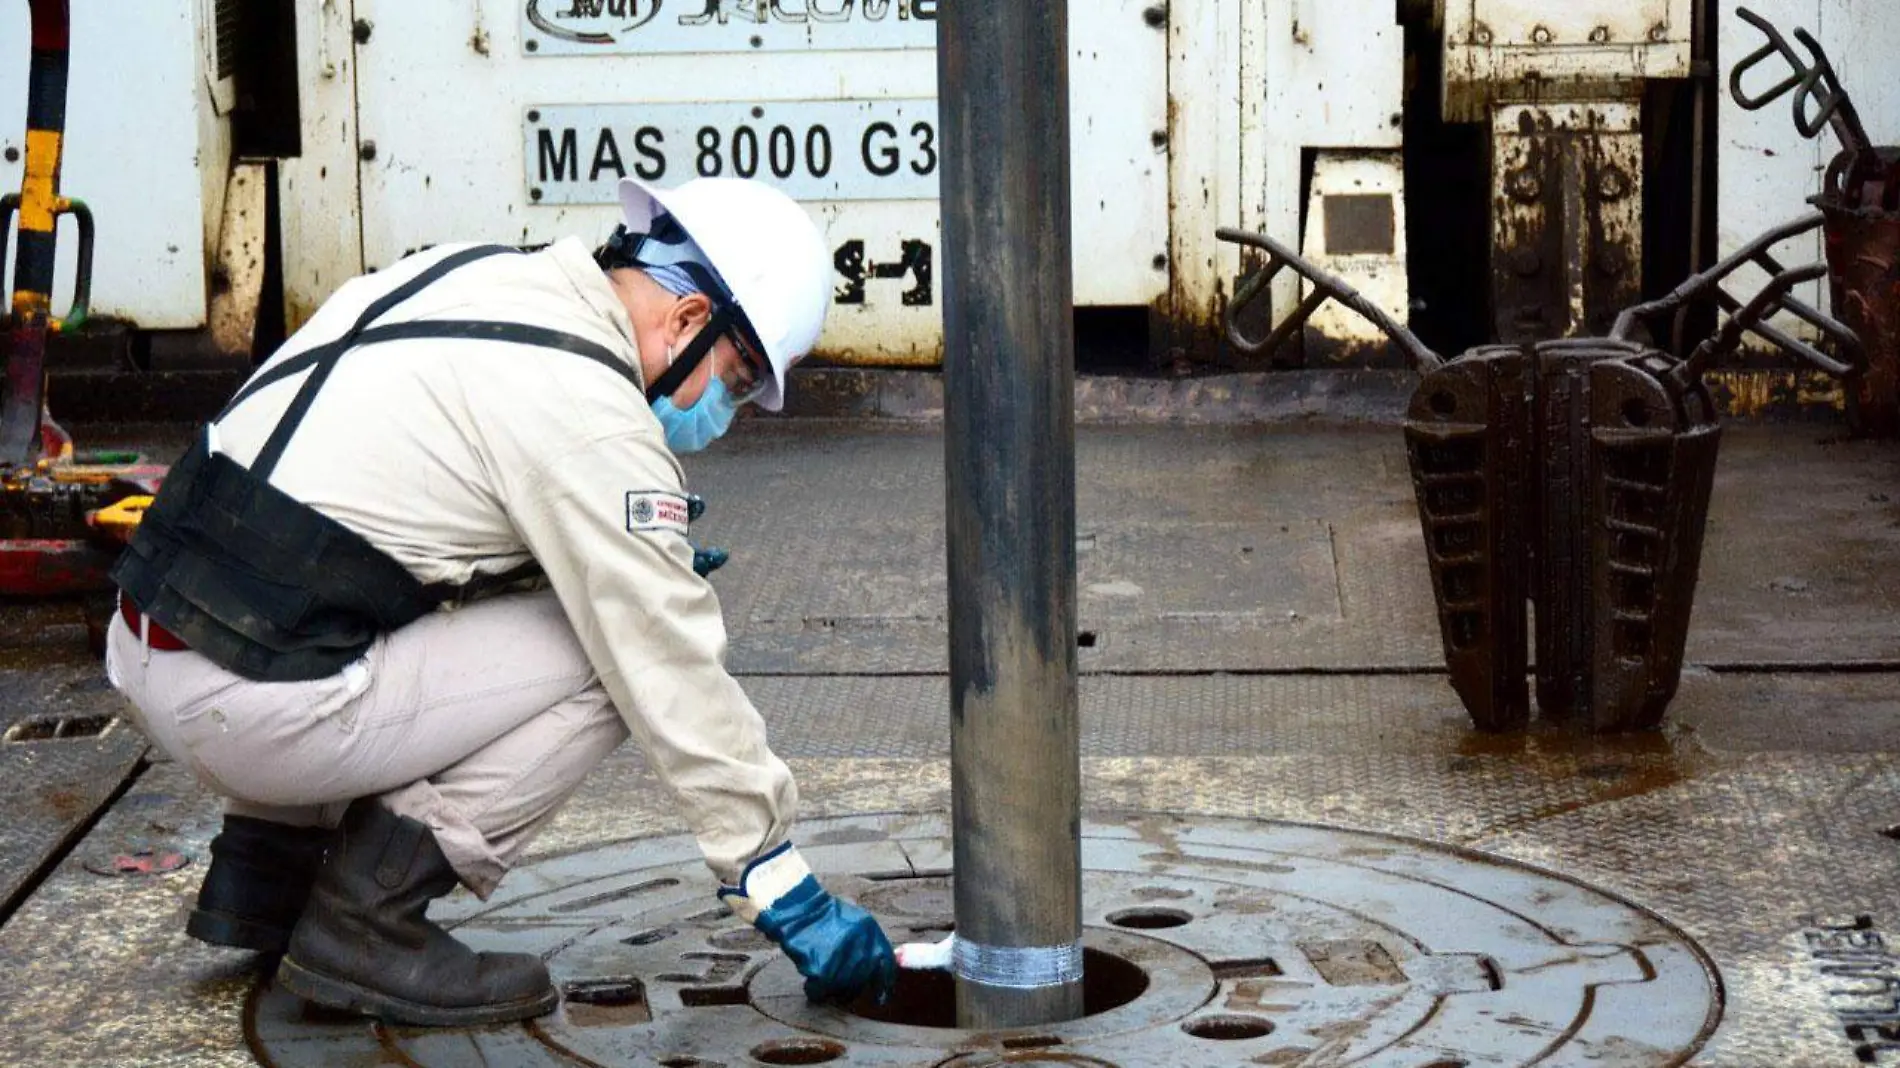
[{"x": 748, "y": 375}]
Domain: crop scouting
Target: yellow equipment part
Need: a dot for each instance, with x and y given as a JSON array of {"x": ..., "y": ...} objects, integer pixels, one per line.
[{"x": 120, "y": 518}]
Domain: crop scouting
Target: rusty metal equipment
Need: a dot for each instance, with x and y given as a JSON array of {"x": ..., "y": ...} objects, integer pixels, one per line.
[
  {"x": 1860, "y": 196},
  {"x": 62, "y": 514},
  {"x": 1572, "y": 476},
  {"x": 1566, "y": 217},
  {"x": 1562, "y": 89}
]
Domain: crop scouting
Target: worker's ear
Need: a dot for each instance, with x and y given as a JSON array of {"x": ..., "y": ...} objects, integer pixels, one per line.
[{"x": 687, "y": 315}]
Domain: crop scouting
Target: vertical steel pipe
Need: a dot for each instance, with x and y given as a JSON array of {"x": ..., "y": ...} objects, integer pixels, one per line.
[{"x": 1009, "y": 421}]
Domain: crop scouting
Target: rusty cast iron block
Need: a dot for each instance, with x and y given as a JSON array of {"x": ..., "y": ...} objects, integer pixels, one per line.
[
  {"x": 1563, "y": 508},
  {"x": 1570, "y": 474},
  {"x": 1653, "y": 443},
  {"x": 1574, "y": 475},
  {"x": 1863, "y": 256},
  {"x": 1466, "y": 435}
]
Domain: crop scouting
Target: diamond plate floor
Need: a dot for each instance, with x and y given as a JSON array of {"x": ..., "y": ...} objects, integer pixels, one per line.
[
  {"x": 62, "y": 750},
  {"x": 1271, "y": 548},
  {"x": 1262, "y": 648}
]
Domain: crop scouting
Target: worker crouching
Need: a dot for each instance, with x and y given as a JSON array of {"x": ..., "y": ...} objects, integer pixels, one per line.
[{"x": 431, "y": 565}]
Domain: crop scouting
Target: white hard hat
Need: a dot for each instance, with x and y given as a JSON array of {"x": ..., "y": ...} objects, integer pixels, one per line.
[{"x": 766, "y": 249}]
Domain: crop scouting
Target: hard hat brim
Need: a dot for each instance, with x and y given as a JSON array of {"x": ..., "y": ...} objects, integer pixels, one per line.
[{"x": 640, "y": 204}]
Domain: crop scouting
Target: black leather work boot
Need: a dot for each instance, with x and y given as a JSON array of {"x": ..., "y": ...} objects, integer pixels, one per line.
[
  {"x": 257, "y": 883},
  {"x": 364, "y": 944}
]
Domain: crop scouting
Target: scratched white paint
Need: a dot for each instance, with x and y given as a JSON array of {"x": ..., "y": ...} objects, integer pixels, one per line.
[
  {"x": 1766, "y": 171},
  {"x": 1334, "y": 80},
  {"x": 1489, "y": 42},
  {"x": 1205, "y": 134},
  {"x": 1378, "y": 276},
  {"x": 318, "y": 194},
  {"x": 1862, "y": 37},
  {"x": 144, "y": 149}
]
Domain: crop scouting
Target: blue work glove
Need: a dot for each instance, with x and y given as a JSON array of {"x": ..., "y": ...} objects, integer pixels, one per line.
[
  {"x": 837, "y": 946},
  {"x": 707, "y": 561}
]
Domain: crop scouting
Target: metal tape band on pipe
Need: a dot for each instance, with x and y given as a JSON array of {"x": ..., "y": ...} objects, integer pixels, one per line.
[{"x": 1018, "y": 967}]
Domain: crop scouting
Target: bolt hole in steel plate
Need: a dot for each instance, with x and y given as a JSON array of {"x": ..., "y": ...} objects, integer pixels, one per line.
[
  {"x": 1149, "y": 919},
  {"x": 1251, "y": 943},
  {"x": 147, "y": 860},
  {"x": 1228, "y": 1028},
  {"x": 798, "y": 1051}
]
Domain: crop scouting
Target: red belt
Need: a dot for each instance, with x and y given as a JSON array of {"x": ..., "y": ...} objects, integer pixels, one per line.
[{"x": 158, "y": 637}]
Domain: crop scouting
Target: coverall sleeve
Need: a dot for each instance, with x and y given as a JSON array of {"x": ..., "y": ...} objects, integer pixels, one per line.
[{"x": 653, "y": 630}]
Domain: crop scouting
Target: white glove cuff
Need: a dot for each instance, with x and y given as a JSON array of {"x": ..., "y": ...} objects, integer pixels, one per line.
[{"x": 764, "y": 881}]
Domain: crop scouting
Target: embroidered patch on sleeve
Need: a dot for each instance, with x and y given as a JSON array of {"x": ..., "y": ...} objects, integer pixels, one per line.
[{"x": 656, "y": 510}]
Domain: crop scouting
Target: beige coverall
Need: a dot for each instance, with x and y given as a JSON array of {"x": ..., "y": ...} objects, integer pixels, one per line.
[{"x": 457, "y": 458}]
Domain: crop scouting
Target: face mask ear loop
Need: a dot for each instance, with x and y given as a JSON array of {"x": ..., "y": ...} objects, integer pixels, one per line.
[{"x": 695, "y": 351}]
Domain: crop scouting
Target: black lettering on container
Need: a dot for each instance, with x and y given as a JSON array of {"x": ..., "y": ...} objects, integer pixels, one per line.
[
  {"x": 851, "y": 263},
  {"x": 652, "y": 165},
  {"x": 559, "y": 164},
  {"x": 927, "y": 144},
  {"x": 606, "y": 156},
  {"x": 750, "y": 10},
  {"x": 887, "y": 161},
  {"x": 818, "y": 151},
  {"x": 782, "y": 148},
  {"x": 848, "y": 260},
  {"x": 709, "y": 162},
  {"x": 745, "y": 152}
]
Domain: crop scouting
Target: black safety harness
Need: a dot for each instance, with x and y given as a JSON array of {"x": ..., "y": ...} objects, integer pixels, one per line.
[{"x": 265, "y": 585}]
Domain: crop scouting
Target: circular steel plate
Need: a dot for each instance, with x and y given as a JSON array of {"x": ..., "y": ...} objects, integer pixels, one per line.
[{"x": 1255, "y": 943}]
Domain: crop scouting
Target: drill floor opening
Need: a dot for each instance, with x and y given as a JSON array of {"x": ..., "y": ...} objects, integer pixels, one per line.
[{"x": 929, "y": 999}]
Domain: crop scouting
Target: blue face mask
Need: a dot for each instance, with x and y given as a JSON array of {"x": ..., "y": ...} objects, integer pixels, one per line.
[{"x": 696, "y": 427}]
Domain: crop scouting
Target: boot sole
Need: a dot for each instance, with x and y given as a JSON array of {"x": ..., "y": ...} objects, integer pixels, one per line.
[
  {"x": 350, "y": 997},
  {"x": 229, "y": 929}
]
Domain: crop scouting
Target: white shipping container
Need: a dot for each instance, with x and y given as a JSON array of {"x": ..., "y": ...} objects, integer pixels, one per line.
[{"x": 509, "y": 120}]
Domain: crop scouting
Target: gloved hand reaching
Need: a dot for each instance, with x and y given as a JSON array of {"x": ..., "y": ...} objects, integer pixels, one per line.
[
  {"x": 705, "y": 561},
  {"x": 837, "y": 946}
]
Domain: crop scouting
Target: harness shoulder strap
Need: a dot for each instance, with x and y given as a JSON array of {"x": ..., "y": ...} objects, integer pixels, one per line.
[
  {"x": 304, "y": 360},
  {"x": 322, "y": 360},
  {"x": 510, "y": 333},
  {"x": 325, "y": 357}
]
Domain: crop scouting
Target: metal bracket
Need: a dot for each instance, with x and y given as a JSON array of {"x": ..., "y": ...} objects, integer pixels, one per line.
[
  {"x": 81, "y": 309},
  {"x": 1776, "y": 296},
  {"x": 1325, "y": 287},
  {"x": 1861, "y": 173},
  {"x": 1811, "y": 80}
]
